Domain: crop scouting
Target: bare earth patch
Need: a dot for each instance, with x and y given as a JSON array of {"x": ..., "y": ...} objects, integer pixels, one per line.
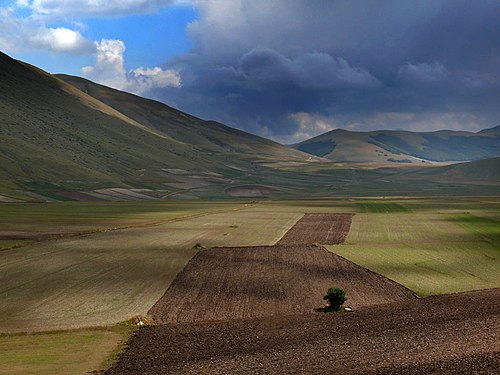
[
  {"x": 233, "y": 283},
  {"x": 325, "y": 229},
  {"x": 451, "y": 334}
]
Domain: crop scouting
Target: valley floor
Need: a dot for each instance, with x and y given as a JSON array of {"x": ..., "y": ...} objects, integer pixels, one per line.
[{"x": 122, "y": 257}]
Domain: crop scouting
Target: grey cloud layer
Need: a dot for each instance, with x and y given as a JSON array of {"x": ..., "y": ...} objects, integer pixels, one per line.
[{"x": 264, "y": 65}]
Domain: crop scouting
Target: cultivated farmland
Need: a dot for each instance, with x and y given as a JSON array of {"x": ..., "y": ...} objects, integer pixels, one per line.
[
  {"x": 326, "y": 229},
  {"x": 235, "y": 283},
  {"x": 243, "y": 282},
  {"x": 116, "y": 262},
  {"x": 65, "y": 352},
  {"x": 21, "y": 224},
  {"x": 438, "y": 335},
  {"x": 107, "y": 277},
  {"x": 431, "y": 249},
  {"x": 251, "y": 310}
]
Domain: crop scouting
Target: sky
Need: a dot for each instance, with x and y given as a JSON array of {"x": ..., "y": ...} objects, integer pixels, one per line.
[{"x": 283, "y": 69}]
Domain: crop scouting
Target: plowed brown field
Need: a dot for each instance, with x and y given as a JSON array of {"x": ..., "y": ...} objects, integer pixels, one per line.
[
  {"x": 325, "y": 229},
  {"x": 451, "y": 334},
  {"x": 233, "y": 283}
]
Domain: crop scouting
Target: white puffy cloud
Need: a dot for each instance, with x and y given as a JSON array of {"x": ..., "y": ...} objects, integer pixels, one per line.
[
  {"x": 92, "y": 8},
  {"x": 109, "y": 69},
  {"x": 22, "y": 3},
  {"x": 147, "y": 79},
  {"x": 17, "y": 34},
  {"x": 60, "y": 39}
]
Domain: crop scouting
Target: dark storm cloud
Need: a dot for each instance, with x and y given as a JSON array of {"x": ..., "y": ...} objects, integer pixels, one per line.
[{"x": 291, "y": 69}]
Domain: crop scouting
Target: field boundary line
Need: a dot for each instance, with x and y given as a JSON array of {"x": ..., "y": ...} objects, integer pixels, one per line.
[{"x": 367, "y": 269}]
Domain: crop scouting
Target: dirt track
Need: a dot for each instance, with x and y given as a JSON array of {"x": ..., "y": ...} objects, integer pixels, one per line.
[
  {"x": 233, "y": 283},
  {"x": 457, "y": 334}
]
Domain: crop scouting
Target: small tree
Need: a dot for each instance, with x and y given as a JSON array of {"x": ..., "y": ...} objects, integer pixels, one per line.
[{"x": 335, "y": 297}]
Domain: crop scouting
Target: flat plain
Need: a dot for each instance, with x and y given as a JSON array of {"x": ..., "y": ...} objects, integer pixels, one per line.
[
  {"x": 112, "y": 261},
  {"x": 63, "y": 352}
]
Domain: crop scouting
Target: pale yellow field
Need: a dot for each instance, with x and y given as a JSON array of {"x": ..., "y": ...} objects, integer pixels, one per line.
[{"x": 104, "y": 278}]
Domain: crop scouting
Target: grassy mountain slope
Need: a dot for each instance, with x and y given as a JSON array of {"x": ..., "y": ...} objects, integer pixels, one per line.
[
  {"x": 208, "y": 136},
  {"x": 55, "y": 136},
  {"x": 404, "y": 146}
]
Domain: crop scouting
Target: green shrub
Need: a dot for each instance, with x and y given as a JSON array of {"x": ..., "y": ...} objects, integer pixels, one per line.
[{"x": 335, "y": 297}]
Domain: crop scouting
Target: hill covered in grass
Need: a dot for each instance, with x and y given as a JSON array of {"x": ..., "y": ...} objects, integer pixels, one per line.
[
  {"x": 58, "y": 136},
  {"x": 404, "y": 146},
  {"x": 208, "y": 136}
]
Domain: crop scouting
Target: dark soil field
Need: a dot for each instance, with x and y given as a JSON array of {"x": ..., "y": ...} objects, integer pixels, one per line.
[
  {"x": 450, "y": 334},
  {"x": 325, "y": 229},
  {"x": 234, "y": 283}
]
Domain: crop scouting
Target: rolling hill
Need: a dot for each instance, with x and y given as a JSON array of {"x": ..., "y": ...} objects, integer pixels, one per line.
[
  {"x": 67, "y": 138},
  {"x": 55, "y": 137},
  {"x": 404, "y": 146}
]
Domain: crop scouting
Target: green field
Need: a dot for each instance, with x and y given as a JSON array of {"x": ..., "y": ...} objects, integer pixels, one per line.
[
  {"x": 114, "y": 260},
  {"x": 432, "y": 248},
  {"x": 483, "y": 227}
]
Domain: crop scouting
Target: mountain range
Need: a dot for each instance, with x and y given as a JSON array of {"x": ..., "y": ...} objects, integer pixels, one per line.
[
  {"x": 404, "y": 146},
  {"x": 67, "y": 138}
]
